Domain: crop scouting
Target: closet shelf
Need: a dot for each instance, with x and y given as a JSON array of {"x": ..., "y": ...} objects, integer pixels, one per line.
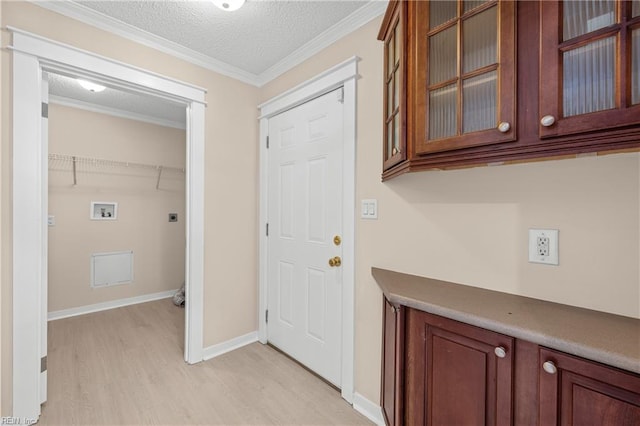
[{"x": 76, "y": 161}]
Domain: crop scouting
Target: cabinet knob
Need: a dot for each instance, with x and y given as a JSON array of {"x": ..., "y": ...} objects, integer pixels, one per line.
[
  {"x": 500, "y": 352},
  {"x": 504, "y": 126},
  {"x": 548, "y": 120},
  {"x": 550, "y": 367}
]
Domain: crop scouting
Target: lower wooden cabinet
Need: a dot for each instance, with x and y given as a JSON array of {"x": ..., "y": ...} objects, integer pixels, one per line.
[
  {"x": 456, "y": 373},
  {"x": 437, "y": 371},
  {"x": 574, "y": 391},
  {"x": 391, "y": 394}
]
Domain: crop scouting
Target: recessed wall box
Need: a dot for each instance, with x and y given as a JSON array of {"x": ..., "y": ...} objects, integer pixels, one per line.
[{"x": 103, "y": 210}]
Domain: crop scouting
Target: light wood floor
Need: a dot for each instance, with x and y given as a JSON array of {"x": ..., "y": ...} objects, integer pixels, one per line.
[{"x": 125, "y": 366}]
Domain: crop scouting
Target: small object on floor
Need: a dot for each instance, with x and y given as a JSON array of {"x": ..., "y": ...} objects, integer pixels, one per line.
[{"x": 179, "y": 297}]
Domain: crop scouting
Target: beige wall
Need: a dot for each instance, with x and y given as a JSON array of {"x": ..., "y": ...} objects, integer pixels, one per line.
[
  {"x": 142, "y": 224},
  {"x": 467, "y": 226},
  {"x": 471, "y": 226},
  {"x": 230, "y": 181}
]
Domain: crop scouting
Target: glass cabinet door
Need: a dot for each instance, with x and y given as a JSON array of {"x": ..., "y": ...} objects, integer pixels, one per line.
[
  {"x": 394, "y": 150},
  {"x": 590, "y": 65},
  {"x": 465, "y": 82}
]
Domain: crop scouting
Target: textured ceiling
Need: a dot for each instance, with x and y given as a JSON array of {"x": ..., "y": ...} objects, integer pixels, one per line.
[
  {"x": 253, "y": 38},
  {"x": 66, "y": 90},
  {"x": 254, "y": 44}
]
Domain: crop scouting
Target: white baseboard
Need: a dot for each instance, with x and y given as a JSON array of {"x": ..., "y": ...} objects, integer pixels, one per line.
[
  {"x": 81, "y": 310},
  {"x": 369, "y": 409},
  {"x": 229, "y": 345}
]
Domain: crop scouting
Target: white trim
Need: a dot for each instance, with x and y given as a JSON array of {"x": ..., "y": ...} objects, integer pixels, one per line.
[
  {"x": 104, "y": 306},
  {"x": 62, "y": 55},
  {"x": 348, "y": 236},
  {"x": 230, "y": 345},
  {"x": 96, "y": 19},
  {"x": 101, "y": 109},
  {"x": 341, "y": 29},
  {"x": 44, "y": 279},
  {"x": 194, "y": 253},
  {"x": 369, "y": 409},
  {"x": 32, "y": 54},
  {"x": 343, "y": 74},
  {"x": 28, "y": 238},
  {"x": 107, "y": 23},
  {"x": 263, "y": 215},
  {"x": 322, "y": 83}
]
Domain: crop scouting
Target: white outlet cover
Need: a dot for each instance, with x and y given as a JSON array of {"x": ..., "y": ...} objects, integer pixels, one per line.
[{"x": 534, "y": 256}]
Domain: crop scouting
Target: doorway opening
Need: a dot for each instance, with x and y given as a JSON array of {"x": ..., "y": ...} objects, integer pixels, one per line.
[
  {"x": 121, "y": 156},
  {"x": 116, "y": 205},
  {"x": 32, "y": 56},
  {"x": 341, "y": 79}
]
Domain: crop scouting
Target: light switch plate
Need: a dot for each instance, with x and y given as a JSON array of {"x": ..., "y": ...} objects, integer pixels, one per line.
[
  {"x": 369, "y": 209},
  {"x": 51, "y": 220},
  {"x": 543, "y": 246}
]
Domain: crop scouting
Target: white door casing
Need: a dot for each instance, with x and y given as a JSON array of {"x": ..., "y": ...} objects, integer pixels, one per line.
[
  {"x": 31, "y": 55},
  {"x": 342, "y": 75},
  {"x": 305, "y": 214},
  {"x": 44, "y": 286}
]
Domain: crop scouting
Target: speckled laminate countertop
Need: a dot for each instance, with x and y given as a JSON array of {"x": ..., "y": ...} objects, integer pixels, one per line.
[{"x": 598, "y": 336}]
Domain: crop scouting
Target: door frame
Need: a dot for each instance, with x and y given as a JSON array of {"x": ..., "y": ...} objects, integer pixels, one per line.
[
  {"x": 341, "y": 75},
  {"x": 32, "y": 55}
]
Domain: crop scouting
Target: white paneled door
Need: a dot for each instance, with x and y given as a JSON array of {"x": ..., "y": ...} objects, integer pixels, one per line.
[{"x": 304, "y": 233}]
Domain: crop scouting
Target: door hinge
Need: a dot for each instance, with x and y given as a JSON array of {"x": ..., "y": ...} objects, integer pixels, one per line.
[
  {"x": 267, "y": 229},
  {"x": 340, "y": 95},
  {"x": 267, "y": 142},
  {"x": 266, "y": 316},
  {"x": 43, "y": 364},
  {"x": 45, "y": 110}
]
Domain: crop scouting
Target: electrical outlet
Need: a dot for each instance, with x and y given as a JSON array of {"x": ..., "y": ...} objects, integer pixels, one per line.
[{"x": 543, "y": 246}]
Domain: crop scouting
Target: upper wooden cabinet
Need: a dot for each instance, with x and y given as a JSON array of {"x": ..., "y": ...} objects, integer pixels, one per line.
[
  {"x": 590, "y": 59},
  {"x": 393, "y": 33},
  {"x": 463, "y": 73},
  {"x": 474, "y": 82}
]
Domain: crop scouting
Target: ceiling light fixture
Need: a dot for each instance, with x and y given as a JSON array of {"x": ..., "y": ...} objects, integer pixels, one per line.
[
  {"x": 229, "y": 5},
  {"x": 92, "y": 87}
]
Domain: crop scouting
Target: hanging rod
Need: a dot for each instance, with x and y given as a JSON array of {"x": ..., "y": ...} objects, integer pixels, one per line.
[{"x": 76, "y": 160}]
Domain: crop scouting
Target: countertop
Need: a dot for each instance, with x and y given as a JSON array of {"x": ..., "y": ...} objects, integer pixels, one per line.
[{"x": 599, "y": 336}]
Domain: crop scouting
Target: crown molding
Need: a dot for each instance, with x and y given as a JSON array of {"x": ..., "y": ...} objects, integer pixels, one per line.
[
  {"x": 99, "y": 20},
  {"x": 352, "y": 22},
  {"x": 100, "y": 109}
]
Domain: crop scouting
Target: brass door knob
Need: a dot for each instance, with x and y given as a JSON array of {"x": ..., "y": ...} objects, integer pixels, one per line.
[{"x": 335, "y": 261}]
